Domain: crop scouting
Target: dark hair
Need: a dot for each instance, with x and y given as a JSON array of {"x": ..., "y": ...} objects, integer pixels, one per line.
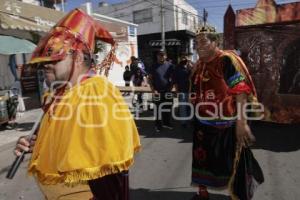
[
  {"x": 161, "y": 52},
  {"x": 183, "y": 62}
]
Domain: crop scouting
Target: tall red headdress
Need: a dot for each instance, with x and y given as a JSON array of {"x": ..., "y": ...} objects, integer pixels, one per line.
[{"x": 76, "y": 31}]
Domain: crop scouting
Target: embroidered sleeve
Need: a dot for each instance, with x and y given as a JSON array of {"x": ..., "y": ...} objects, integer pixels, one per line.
[{"x": 234, "y": 79}]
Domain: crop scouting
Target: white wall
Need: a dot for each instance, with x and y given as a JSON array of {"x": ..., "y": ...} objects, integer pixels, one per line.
[
  {"x": 173, "y": 19},
  {"x": 34, "y": 2},
  {"x": 126, "y": 36},
  {"x": 192, "y": 19},
  {"x": 123, "y": 53}
]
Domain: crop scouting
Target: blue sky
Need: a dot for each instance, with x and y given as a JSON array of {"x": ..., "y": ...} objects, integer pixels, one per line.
[{"x": 215, "y": 8}]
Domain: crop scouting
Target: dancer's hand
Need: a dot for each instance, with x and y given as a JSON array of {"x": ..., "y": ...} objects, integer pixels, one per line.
[
  {"x": 244, "y": 135},
  {"x": 25, "y": 144}
]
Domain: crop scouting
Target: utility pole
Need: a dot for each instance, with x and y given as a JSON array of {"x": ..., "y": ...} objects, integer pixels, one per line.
[
  {"x": 89, "y": 9},
  {"x": 63, "y": 5},
  {"x": 205, "y": 15},
  {"x": 163, "y": 41}
]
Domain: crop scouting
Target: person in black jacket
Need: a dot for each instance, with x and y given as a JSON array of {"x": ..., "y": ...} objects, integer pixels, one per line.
[
  {"x": 127, "y": 77},
  {"x": 182, "y": 84},
  {"x": 161, "y": 82}
]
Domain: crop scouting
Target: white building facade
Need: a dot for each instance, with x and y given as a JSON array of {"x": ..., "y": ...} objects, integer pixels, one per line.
[
  {"x": 180, "y": 23},
  {"x": 179, "y": 15}
]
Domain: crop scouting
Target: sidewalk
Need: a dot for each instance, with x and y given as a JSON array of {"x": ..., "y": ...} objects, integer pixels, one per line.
[
  {"x": 23, "y": 127},
  {"x": 277, "y": 149},
  {"x": 21, "y": 187}
]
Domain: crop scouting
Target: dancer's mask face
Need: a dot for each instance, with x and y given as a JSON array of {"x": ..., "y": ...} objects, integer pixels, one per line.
[{"x": 57, "y": 70}]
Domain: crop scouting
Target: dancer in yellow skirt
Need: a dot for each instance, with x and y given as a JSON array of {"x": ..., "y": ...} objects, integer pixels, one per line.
[{"x": 87, "y": 137}]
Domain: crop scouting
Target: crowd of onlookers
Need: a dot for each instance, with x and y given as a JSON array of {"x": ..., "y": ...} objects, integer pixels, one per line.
[{"x": 165, "y": 79}]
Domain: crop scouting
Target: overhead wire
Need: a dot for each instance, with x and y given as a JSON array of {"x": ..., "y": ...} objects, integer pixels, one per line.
[
  {"x": 182, "y": 10},
  {"x": 156, "y": 5},
  {"x": 122, "y": 8},
  {"x": 173, "y": 9}
]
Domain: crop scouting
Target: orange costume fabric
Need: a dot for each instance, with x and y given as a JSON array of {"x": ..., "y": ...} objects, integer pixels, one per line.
[{"x": 212, "y": 85}]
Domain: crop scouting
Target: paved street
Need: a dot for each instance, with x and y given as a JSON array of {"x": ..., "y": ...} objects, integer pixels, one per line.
[{"x": 162, "y": 168}]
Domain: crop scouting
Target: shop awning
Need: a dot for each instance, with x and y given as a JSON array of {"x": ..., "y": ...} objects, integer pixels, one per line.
[
  {"x": 16, "y": 15},
  {"x": 169, "y": 42},
  {"x": 23, "y": 16},
  {"x": 11, "y": 45}
]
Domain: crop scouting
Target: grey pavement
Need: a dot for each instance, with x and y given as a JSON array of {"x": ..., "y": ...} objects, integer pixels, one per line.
[
  {"x": 162, "y": 169},
  {"x": 23, "y": 126}
]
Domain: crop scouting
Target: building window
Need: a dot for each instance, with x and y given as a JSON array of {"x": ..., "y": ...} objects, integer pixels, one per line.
[
  {"x": 195, "y": 23},
  {"x": 142, "y": 16},
  {"x": 184, "y": 17}
]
